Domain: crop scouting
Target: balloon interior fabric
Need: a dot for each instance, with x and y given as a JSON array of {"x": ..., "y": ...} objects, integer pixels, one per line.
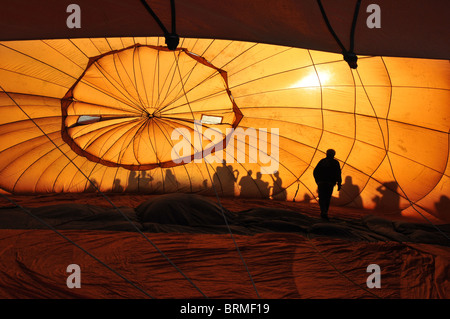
[
  {"x": 111, "y": 147},
  {"x": 120, "y": 112}
]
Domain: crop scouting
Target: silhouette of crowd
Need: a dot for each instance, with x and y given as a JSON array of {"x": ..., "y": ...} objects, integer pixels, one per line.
[{"x": 226, "y": 184}]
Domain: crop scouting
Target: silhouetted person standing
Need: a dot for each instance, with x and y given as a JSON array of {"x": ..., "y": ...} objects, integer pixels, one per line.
[
  {"x": 389, "y": 202},
  {"x": 278, "y": 191},
  {"x": 350, "y": 193},
  {"x": 117, "y": 187},
  {"x": 248, "y": 186},
  {"x": 327, "y": 174},
  {"x": 224, "y": 179},
  {"x": 170, "y": 182},
  {"x": 262, "y": 186}
]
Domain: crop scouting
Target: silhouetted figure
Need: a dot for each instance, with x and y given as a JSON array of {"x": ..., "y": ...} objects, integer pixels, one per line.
[
  {"x": 278, "y": 191},
  {"x": 170, "y": 182},
  {"x": 248, "y": 186},
  {"x": 263, "y": 187},
  {"x": 327, "y": 173},
  {"x": 389, "y": 200},
  {"x": 132, "y": 182},
  {"x": 117, "y": 188},
  {"x": 443, "y": 208},
  {"x": 91, "y": 188},
  {"x": 224, "y": 179},
  {"x": 306, "y": 198},
  {"x": 144, "y": 181},
  {"x": 350, "y": 193}
]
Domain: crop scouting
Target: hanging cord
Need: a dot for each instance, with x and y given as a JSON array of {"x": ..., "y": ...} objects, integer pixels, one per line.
[
  {"x": 172, "y": 38},
  {"x": 73, "y": 243},
  {"x": 104, "y": 196},
  {"x": 352, "y": 32},
  {"x": 222, "y": 209},
  {"x": 349, "y": 56}
]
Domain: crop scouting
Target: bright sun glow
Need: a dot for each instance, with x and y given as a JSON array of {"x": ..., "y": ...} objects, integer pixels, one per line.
[{"x": 311, "y": 80}]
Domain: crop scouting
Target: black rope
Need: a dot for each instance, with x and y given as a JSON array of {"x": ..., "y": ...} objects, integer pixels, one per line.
[
  {"x": 352, "y": 32},
  {"x": 349, "y": 56},
  {"x": 330, "y": 28},
  {"x": 155, "y": 17},
  {"x": 172, "y": 38},
  {"x": 174, "y": 24}
]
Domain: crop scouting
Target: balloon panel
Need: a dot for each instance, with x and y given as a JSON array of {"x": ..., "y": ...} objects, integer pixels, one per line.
[{"x": 387, "y": 120}]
